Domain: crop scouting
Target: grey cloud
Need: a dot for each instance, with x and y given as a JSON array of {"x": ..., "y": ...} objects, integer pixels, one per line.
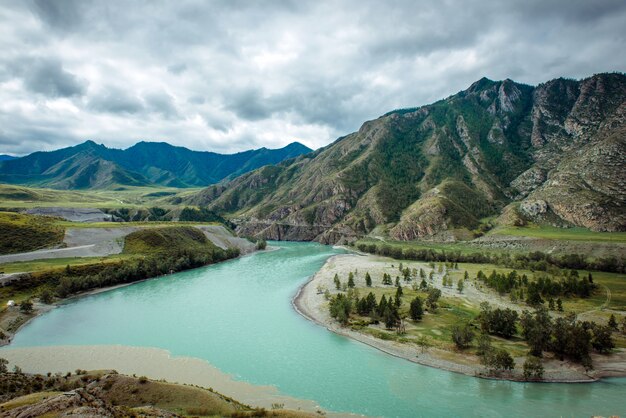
[
  {"x": 49, "y": 78},
  {"x": 177, "y": 68},
  {"x": 59, "y": 14},
  {"x": 248, "y": 103},
  {"x": 115, "y": 100},
  {"x": 580, "y": 11},
  {"x": 196, "y": 99},
  {"x": 230, "y": 74},
  {"x": 162, "y": 103}
]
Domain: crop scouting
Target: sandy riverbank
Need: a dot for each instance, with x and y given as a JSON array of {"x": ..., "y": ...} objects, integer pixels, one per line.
[
  {"x": 312, "y": 305},
  {"x": 153, "y": 363}
]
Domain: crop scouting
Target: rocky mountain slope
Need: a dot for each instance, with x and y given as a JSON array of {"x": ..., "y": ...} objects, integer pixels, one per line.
[
  {"x": 553, "y": 153},
  {"x": 93, "y": 166}
]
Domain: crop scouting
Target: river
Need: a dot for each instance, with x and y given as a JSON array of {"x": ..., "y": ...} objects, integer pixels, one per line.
[{"x": 237, "y": 315}]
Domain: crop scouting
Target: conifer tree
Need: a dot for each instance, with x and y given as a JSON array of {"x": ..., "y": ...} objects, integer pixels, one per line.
[
  {"x": 416, "y": 310},
  {"x": 337, "y": 282},
  {"x": 368, "y": 280},
  {"x": 351, "y": 281}
]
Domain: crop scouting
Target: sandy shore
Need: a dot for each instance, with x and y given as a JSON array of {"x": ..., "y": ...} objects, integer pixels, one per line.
[
  {"x": 312, "y": 305},
  {"x": 153, "y": 363}
]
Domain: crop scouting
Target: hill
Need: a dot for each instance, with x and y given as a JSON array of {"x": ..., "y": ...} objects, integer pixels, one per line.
[
  {"x": 19, "y": 233},
  {"x": 499, "y": 152},
  {"x": 92, "y": 166}
]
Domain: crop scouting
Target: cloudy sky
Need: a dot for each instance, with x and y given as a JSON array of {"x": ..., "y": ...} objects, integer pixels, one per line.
[{"x": 232, "y": 75}]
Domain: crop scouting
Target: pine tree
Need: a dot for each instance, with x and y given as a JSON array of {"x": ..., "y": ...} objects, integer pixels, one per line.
[
  {"x": 389, "y": 317},
  {"x": 459, "y": 285},
  {"x": 613, "y": 322},
  {"x": 422, "y": 273},
  {"x": 351, "y": 281},
  {"x": 368, "y": 279},
  {"x": 466, "y": 275},
  {"x": 551, "y": 304},
  {"x": 337, "y": 282},
  {"x": 559, "y": 305},
  {"x": 423, "y": 285},
  {"x": 382, "y": 305},
  {"x": 397, "y": 300},
  {"x": 399, "y": 291},
  {"x": 416, "y": 310}
]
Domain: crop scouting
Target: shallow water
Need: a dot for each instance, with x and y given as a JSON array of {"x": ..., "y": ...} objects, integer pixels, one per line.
[{"x": 238, "y": 316}]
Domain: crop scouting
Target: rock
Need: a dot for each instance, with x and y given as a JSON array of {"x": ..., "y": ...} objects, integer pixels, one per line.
[{"x": 534, "y": 208}]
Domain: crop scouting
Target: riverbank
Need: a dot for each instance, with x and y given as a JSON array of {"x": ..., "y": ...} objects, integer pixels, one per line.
[
  {"x": 154, "y": 363},
  {"x": 311, "y": 304}
]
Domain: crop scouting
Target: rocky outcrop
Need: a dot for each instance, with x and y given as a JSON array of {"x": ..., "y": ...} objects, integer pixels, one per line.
[{"x": 76, "y": 403}]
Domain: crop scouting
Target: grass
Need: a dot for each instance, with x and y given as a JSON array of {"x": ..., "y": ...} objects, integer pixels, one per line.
[
  {"x": 30, "y": 399},
  {"x": 129, "y": 197},
  {"x": 452, "y": 310},
  {"x": 130, "y": 395},
  {"x": 436, "y": 326},
  {"x": 52, "y": 263},
  {"x": 163, "y": 239},
  {"x": 463, "y": 248},
  {"x": 614, "y": 282},
  {"x": 131, "y": 392},
  {"x": 20, "y": 233},
  {"x": 70, "y": 224},
  {"x": 554, "y": 233}
]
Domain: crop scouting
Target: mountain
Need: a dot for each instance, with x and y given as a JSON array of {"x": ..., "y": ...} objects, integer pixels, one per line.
[
  {"x": 92, "y": 166},
  {"x": 553, "y": 153},
  {"x": 5, "y": 157}
]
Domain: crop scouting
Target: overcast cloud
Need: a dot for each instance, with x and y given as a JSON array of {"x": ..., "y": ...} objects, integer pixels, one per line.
[{"x": 232, "y": 75}]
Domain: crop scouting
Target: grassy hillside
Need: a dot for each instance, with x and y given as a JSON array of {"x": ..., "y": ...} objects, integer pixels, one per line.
[
  {"x": 554, "y": 233},
  {"x": 166, "y": 239},
  {"x": 121, "y": 395},
  {"x": 20, "y": 233},
  {"x": 125, "y": 197}
]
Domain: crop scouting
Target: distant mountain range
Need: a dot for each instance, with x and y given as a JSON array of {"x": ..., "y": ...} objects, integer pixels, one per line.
[
  {"x": 92, "y": 166},
  {"x": 5, "y": 157},
  {"x": 498, "y": 153}
]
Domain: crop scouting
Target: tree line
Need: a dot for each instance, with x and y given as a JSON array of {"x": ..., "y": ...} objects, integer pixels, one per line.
[
  {"x": 536, "y": 260},
  {"x": 74, "y": 279},
  {"x": 533, "y": 292}
]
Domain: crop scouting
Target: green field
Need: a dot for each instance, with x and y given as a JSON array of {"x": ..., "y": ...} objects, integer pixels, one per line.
[
  {"x": 554, "y": 233},
  {"x": 52, "y": 263},
  {"x": 20, "y": 197},
  {"x": 462, "y": 247}
]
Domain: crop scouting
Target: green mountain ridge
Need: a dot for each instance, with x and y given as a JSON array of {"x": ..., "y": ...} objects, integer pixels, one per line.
[
  {"x": 92, "y": 166},
  {"x": 553, "y": 153}
]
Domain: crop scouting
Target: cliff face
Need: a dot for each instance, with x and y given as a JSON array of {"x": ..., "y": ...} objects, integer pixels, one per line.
[{"x": 433, "y": 172}]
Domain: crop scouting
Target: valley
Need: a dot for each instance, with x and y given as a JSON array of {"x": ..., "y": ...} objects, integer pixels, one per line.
[{"x": 457, "y": 226}]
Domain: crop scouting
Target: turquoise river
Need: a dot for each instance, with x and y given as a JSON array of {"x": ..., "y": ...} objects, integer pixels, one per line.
[{"x": 238, "y": 316}]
